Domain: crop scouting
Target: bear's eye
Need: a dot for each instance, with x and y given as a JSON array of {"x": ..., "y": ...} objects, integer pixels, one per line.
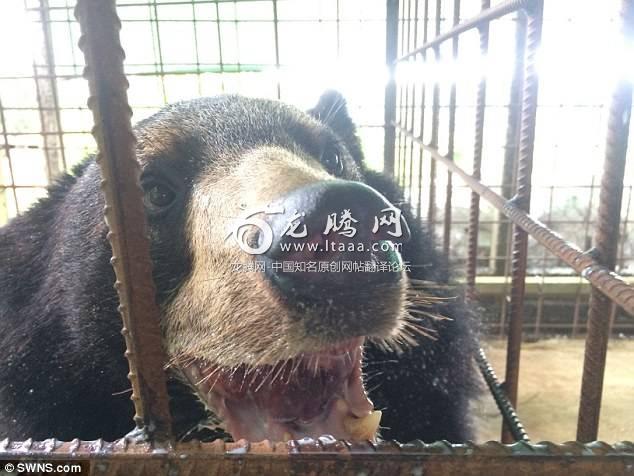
[
  {"x": 158, "y": 195},
  {"x": 331, "y": 158}
]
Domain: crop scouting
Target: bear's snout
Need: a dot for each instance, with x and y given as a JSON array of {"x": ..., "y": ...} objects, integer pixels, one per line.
[{"x": 327, "y": 230}]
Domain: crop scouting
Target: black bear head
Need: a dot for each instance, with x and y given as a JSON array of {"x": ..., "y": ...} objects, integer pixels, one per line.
[{"x": 235, "y": 190}]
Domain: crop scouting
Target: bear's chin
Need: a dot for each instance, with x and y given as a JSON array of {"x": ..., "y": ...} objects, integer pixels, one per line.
[{"x": 310, "y": 395}]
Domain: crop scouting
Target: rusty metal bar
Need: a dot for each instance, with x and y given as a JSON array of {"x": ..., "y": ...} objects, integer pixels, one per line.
[
  {"x": 474, "y": 208},
  {"x": 391, "y": 49},
  {"x": 411, "y": 129},
  {"x": 485, "y": 17},
  {"x": 606, "y": 243},
  {"x": 606, "y": 281},
  {"x": 435, "y": 121},
  {"x": 522, "y": 200},
  {"x": 419, "y": 204},
  {"x": 399, "y": 105},
  {"x": 326, "y": 456},
  {"x": 499, "y": 395},
  {"x": 405, "y": 106},
  {"x": 512, "y": 138},
  {"x": 446, "y": 235},
  {"x": 125, "y": 214}
]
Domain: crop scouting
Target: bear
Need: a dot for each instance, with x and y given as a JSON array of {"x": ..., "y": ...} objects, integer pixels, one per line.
[{"x": 234, "y": 189}]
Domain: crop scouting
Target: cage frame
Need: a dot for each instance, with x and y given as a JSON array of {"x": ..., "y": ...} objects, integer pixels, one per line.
[{"x": 151, "y": 449}]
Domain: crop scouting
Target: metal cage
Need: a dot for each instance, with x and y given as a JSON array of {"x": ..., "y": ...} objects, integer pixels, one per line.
[{"x": 152, "y": 450}]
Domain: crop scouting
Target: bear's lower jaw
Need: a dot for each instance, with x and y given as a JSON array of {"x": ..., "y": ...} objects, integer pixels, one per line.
[{"x": 310, "y": 395}]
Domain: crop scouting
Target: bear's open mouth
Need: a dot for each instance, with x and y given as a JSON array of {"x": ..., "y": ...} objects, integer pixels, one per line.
[{"x": 310, "y": 395}]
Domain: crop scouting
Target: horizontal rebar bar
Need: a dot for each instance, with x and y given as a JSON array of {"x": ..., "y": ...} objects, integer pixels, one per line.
[
  {"x": 606, "y": 281},
  {"x": 322, "y": 445}
]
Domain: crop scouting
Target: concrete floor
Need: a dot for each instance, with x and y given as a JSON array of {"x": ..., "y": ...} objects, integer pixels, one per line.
[{"x": 550, "y": 380}]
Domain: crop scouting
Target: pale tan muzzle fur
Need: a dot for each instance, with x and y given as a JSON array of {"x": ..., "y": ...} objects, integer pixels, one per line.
[{"x": 220, "y": 315}]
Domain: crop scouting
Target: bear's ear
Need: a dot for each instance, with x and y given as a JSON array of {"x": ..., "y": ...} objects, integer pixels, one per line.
[{"x": 332, "y": 111}]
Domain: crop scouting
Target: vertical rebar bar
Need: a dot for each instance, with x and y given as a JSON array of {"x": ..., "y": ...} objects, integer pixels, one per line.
[
  {"x": 478, "y": 142},
  {"x": 125, "y": 214},
  {"x": 522, "y": 201},
  {"x": 512, "y": 137},
  {"x": 405, "y": 106},
  {"x": 399, "y": 105},
  {"x": 391, "y": 49},
  {"x": 446, "y": 240},
  {"x": 606, "y": 242},
  {"x": 435, "y": 122},
  {"x": 423, "y": 100},
  {"x": 413, "y": 111}
]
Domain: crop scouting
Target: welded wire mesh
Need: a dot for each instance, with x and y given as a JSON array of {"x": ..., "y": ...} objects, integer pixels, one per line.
[{"x": 177, "y": 50}]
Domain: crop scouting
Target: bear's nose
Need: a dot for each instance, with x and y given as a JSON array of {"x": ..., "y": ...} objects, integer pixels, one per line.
[{"x": 334, "y": 233}]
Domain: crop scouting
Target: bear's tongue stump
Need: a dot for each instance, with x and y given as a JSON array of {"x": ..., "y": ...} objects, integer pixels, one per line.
[{"x": 309, "y": 396}]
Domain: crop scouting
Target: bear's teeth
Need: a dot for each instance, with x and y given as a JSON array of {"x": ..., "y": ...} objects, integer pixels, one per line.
[
  {"x": 341, "y": 405},
  {"x": 364, "y": 428}
]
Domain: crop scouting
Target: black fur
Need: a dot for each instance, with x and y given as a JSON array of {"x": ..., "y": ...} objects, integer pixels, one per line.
[{"x": 63, "y": 373}]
